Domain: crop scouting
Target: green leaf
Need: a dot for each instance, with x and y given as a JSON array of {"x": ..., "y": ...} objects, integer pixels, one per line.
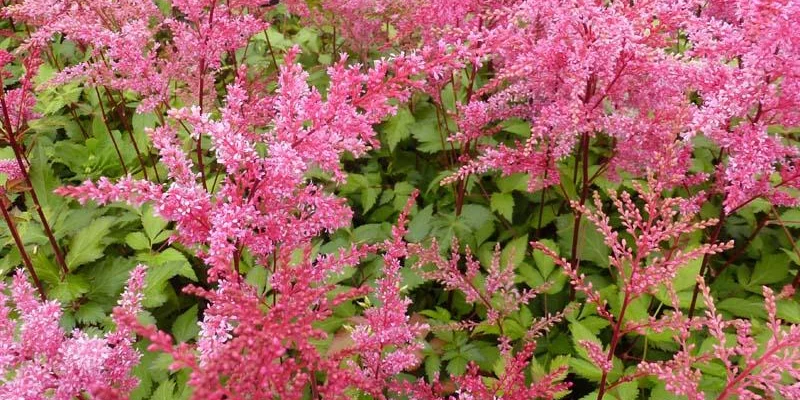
[
  {"x": 372, "y": 233},
  {"x": 397, "y": 127},
  {"x": 625, "y": 391},
  {"x": 475, "y": 216},
  {"x": 90, "y": 313},
  {"x": 420, "y": 225},
  {"x": 585, "y": 369},
  {"x": 517, "y": 126},
  {"x": 514, "y": 252},
  {"x": 753, "y": 308},
  {"x": 433, "y": 365},
  {"x": 791, "y": 218},
  {"x": 137, "y": 241},
  {"x": 503, "y": 204},
  {"x": 87, "y": 245},
  {"x": 185, "y": 326},
  {"x": 509, "y": 183},
  {"x": 153, "y": 225},
  {"x": 165, "y": 391},
  {"x": 591, "y": 246},
  {"x": 544, "y": 263},
  {"x": 426, "y": 131},
  {"x": 771, "y": 268}
]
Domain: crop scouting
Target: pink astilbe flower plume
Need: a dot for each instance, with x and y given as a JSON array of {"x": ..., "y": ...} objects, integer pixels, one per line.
[
  {"x": 39, "y": 360},
  {"x": 387, "y": 342},
  {"x": 755, "y": 369},
  {"x": 242, "y": 328},
  {"x": 265, "y": 200},
  {"x": 644, "y": 260}
]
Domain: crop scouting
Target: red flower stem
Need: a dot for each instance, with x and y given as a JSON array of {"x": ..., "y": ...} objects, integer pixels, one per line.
[
  {"x": 19, "y": 155},
  {"x": 108, "y": 128},
  {"x": 576, "y": 226},
  {"x": 615, "y": 337},
  {"x": 706, "y": 259},
  {"x": 21, "y": 247}
]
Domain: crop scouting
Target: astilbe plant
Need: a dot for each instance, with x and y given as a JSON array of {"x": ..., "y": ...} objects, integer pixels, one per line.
[
  {"x": 266, "y": 145},
  {"x": 643, "y": 74},
  {"x": 644, "y": 260},
  {"x": 644, "y": 81},
  {"x": 754, "y": 368},
  {"x": 264, "y": 201},
  {"x": 38, "y": 360},
  {"x": 499, "y": 297},
  {"x": 265, "y": 345}
]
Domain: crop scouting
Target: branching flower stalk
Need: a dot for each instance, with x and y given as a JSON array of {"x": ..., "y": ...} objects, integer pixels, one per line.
[
  {"x": 22, "y": 101},
  {"x": 642, "y": 267}
]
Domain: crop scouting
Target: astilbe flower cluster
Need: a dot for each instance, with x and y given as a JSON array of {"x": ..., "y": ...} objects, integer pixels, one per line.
[
  {"x": 754, "y": 368},
  {"x": 38, "y": 360},
  {"x": 644, "y": 75},
  {"x": 126, "y": 47},
  {"x": 264, "y": 200},
  {"x": 646, "y": 259},
  {"x": 264, "y": 345},
  {"x": 498, "y": 293}
]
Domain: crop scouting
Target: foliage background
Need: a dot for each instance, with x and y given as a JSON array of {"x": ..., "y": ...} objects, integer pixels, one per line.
[{"x": 71, "y": 142}]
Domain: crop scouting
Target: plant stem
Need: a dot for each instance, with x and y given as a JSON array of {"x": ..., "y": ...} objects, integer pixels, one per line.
[
  {"x": 21, "y": 247},
  {"x": 108, "y": 128},
  {"x": 576, "y": 226},
  {"x": 615, "y": 337},
  {"x": 706, "y": 259},
  {"x": 19, "y": 155}
]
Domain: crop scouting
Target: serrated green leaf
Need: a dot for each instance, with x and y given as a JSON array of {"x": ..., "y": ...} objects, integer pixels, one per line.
[
  {"x": 152, "y": 224},
  {"x": 137, "y": 241},
  {"x": 791, "y": 218},
  {"x": 503, "y": 204},
  {"x": 165, "y": 391},
  {"x": 514, "y": 252},
  {"x": 475, "y": 216},
  {"x": 90, "y": 313},
  {"x": 771, "y": 268},
  {"x": 591, "y": 246},
  {"x": 544, "y": 263},
  {"x": 585, "y": 369},
  {"x": 88, "y": 244},
  {"x": 185, "y": 326},
  {"x": 396, "y": 128},
  {"x": 420, "y": 225}
]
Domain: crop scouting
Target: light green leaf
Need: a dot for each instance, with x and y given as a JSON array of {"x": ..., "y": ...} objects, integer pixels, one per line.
[
  {"x": 152, "y": 224},
  {"x": 591, "y": 246},
  {"x": 544, "y": 263},
  {"x": 514, "y": 252},
  {"x": 88, "y": 244},
  {"x": 185, "y": 326},
  {"x": 137, "y": 241},
  {"x": 165, "y": 391},
  {"x": 771, "y": 268},
  {"x": 791, "y": 218},
  {"x": 397, "y": 127},
  {"x": 503, "y": 204}
]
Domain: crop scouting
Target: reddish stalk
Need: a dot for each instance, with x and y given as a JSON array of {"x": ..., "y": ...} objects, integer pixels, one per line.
[
  {"x": 21, "y": 247},
  {"x": 706, "y": 259},
  {"x": 615, "y": 337},
  {"x": 123, "y": 119},
  {"x": 19, "y": 155},
  {"x": 108, "y": 128},
  {"x": 576, "y": 225}
]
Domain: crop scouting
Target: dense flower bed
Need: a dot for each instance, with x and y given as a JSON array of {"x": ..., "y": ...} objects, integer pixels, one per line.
[{"x": 427, "y": 199}]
